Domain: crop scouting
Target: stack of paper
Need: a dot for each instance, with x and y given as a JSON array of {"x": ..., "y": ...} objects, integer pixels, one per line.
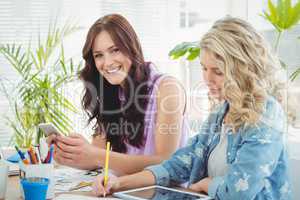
[{"x": 13, "y": 169}]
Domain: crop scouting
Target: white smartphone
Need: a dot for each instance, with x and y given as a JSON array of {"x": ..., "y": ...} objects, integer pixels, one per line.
[{"x": 49, "y": 129}]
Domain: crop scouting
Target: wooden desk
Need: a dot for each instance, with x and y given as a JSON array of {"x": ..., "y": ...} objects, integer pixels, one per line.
[{"x": 13, "y": 189}]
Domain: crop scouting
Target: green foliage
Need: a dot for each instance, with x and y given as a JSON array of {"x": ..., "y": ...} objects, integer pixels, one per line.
[
  {"x": 37, "y": 96},
  {"x": 283, "y": 16},
  {"x": 191, "y": 49},
  {"x": 295, "y": 74}
]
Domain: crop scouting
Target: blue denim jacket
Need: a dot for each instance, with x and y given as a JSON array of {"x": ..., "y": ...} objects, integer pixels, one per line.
[{"x": 256, "y": 157}]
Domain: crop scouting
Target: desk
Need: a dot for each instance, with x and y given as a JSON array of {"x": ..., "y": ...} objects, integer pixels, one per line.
[{"x": 13, "y": 189}]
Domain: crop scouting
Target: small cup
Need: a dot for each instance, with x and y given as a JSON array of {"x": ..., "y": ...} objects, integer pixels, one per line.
[
  {"x": 35, "y": 188},
  {"x": 3, "y": 179},
  {"x": 39, "y": 170}
]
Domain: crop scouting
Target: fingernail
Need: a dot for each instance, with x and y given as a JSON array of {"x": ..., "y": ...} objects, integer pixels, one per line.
[{"x": 104, "y": 193}]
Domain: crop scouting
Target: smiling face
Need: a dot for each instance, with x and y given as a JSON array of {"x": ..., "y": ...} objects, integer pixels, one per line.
[
  {"x": 212, "y": 75},
  {"x": 111, "y": 63}
]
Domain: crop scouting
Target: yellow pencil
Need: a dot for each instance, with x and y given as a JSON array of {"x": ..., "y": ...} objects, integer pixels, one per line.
[{"x": 106, "y": 164}]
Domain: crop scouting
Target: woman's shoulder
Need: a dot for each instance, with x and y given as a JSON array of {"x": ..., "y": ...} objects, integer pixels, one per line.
[
  {"x": 169, "y": 88},
  {"x": 271, "y": 124},
  {"x": 168, "y": 81},
  {"x": 156, "y": 76},
  {"x": 273, "y": 115},
  {"x": 163, "y": 83}
]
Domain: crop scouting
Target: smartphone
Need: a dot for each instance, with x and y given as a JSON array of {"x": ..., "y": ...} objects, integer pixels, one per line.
[{"x": 49, "y": 129}]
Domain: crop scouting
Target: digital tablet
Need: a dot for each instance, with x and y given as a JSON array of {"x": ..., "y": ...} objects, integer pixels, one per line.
[{"x": 159, "y": 193}]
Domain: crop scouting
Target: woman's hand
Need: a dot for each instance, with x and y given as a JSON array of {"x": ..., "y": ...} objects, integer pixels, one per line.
[
  {"x": 75, "y": 151},
  {"x": 201, "y": 186},
  {"x": 112, "y": 185}
]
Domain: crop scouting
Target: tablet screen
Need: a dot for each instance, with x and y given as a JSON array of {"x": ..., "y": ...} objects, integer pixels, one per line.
[{"x": 157, "y": 193}]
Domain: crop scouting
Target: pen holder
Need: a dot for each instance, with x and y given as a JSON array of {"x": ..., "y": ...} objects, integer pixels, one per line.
[{"x": 39, "y": 170}]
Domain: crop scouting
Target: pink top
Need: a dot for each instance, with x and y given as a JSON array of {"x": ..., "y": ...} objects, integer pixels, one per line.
[{"x": 150, "y": 118}]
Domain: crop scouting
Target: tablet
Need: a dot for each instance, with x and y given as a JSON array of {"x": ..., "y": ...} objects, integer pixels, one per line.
[{"x": 159, "y": 193}]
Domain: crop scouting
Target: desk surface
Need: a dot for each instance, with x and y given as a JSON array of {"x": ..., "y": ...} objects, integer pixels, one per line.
[{"x": 13, "y": 189}]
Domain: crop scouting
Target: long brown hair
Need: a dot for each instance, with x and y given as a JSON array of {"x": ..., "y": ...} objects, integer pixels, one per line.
[{"x": 100, "y": 95}]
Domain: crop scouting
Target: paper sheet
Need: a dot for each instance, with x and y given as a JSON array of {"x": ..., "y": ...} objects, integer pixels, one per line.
[
  {"x": 80, "y": 197},
  {"x": 67, "y": 178}
]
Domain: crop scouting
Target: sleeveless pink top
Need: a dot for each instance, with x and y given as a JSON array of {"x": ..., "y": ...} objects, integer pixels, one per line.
[{"x": 150, "y": 118}]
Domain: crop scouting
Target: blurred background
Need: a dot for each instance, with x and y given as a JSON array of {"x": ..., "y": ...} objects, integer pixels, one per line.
[{"x": 160, "y": 25}]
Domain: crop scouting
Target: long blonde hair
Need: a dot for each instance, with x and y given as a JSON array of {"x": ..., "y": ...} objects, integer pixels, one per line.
[{"x": 248, "y": 66}]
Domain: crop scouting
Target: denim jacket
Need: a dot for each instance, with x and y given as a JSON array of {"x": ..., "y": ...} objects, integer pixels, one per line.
[{"x": 256, "y": 157}]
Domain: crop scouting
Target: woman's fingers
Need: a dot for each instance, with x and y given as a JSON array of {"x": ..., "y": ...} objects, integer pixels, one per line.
[
  {"x": 112, "y": 184},
  {"x": 67, "y": 148},
  {"x": 98, "y": 188},
  {"x": 60, "y": 155},
  {"x": 64, "y": 160},
  {"x": 51, "y": 139},
  {"x": 70, "y": 140},
  {"x": 197, "y": 186},
  {"x": 194, "y": 187}
]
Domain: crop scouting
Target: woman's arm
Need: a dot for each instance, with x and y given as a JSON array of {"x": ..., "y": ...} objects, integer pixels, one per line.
[
  {"x": 171, "y": 102},
  {"x": 177, "y": 169},
  {"x": 137, "y": 180},
  {"x": 75, "y": 151},
  {"x": 170, "y": 108},
  {"x": 99, "y": 141}
]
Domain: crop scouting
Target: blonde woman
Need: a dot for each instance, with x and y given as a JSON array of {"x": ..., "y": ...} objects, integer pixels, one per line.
[{"x": 239, "y": 152}]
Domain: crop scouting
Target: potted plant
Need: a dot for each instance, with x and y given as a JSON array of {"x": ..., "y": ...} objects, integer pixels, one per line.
[{"x": 37, "y": 96}]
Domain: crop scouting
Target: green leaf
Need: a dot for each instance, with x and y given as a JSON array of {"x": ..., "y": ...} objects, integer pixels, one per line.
[
  {"x": 194, "y": 53},
  {"x": 62, "y": 120},
  {"x": 284, "y": 15},
  {"x": 295, "y": 74},
  {"x": 80, "y": 65},
  {"x": 34, "y": 60},
  {"x": 282, "y": 64},
  {"x": 287, "y": 13},
  {"x": 273, "y": 14},
  {"x": 294, "y": 15},
  {"x": 183, "y": 48},
  {"x": 71, "y": 66}
]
